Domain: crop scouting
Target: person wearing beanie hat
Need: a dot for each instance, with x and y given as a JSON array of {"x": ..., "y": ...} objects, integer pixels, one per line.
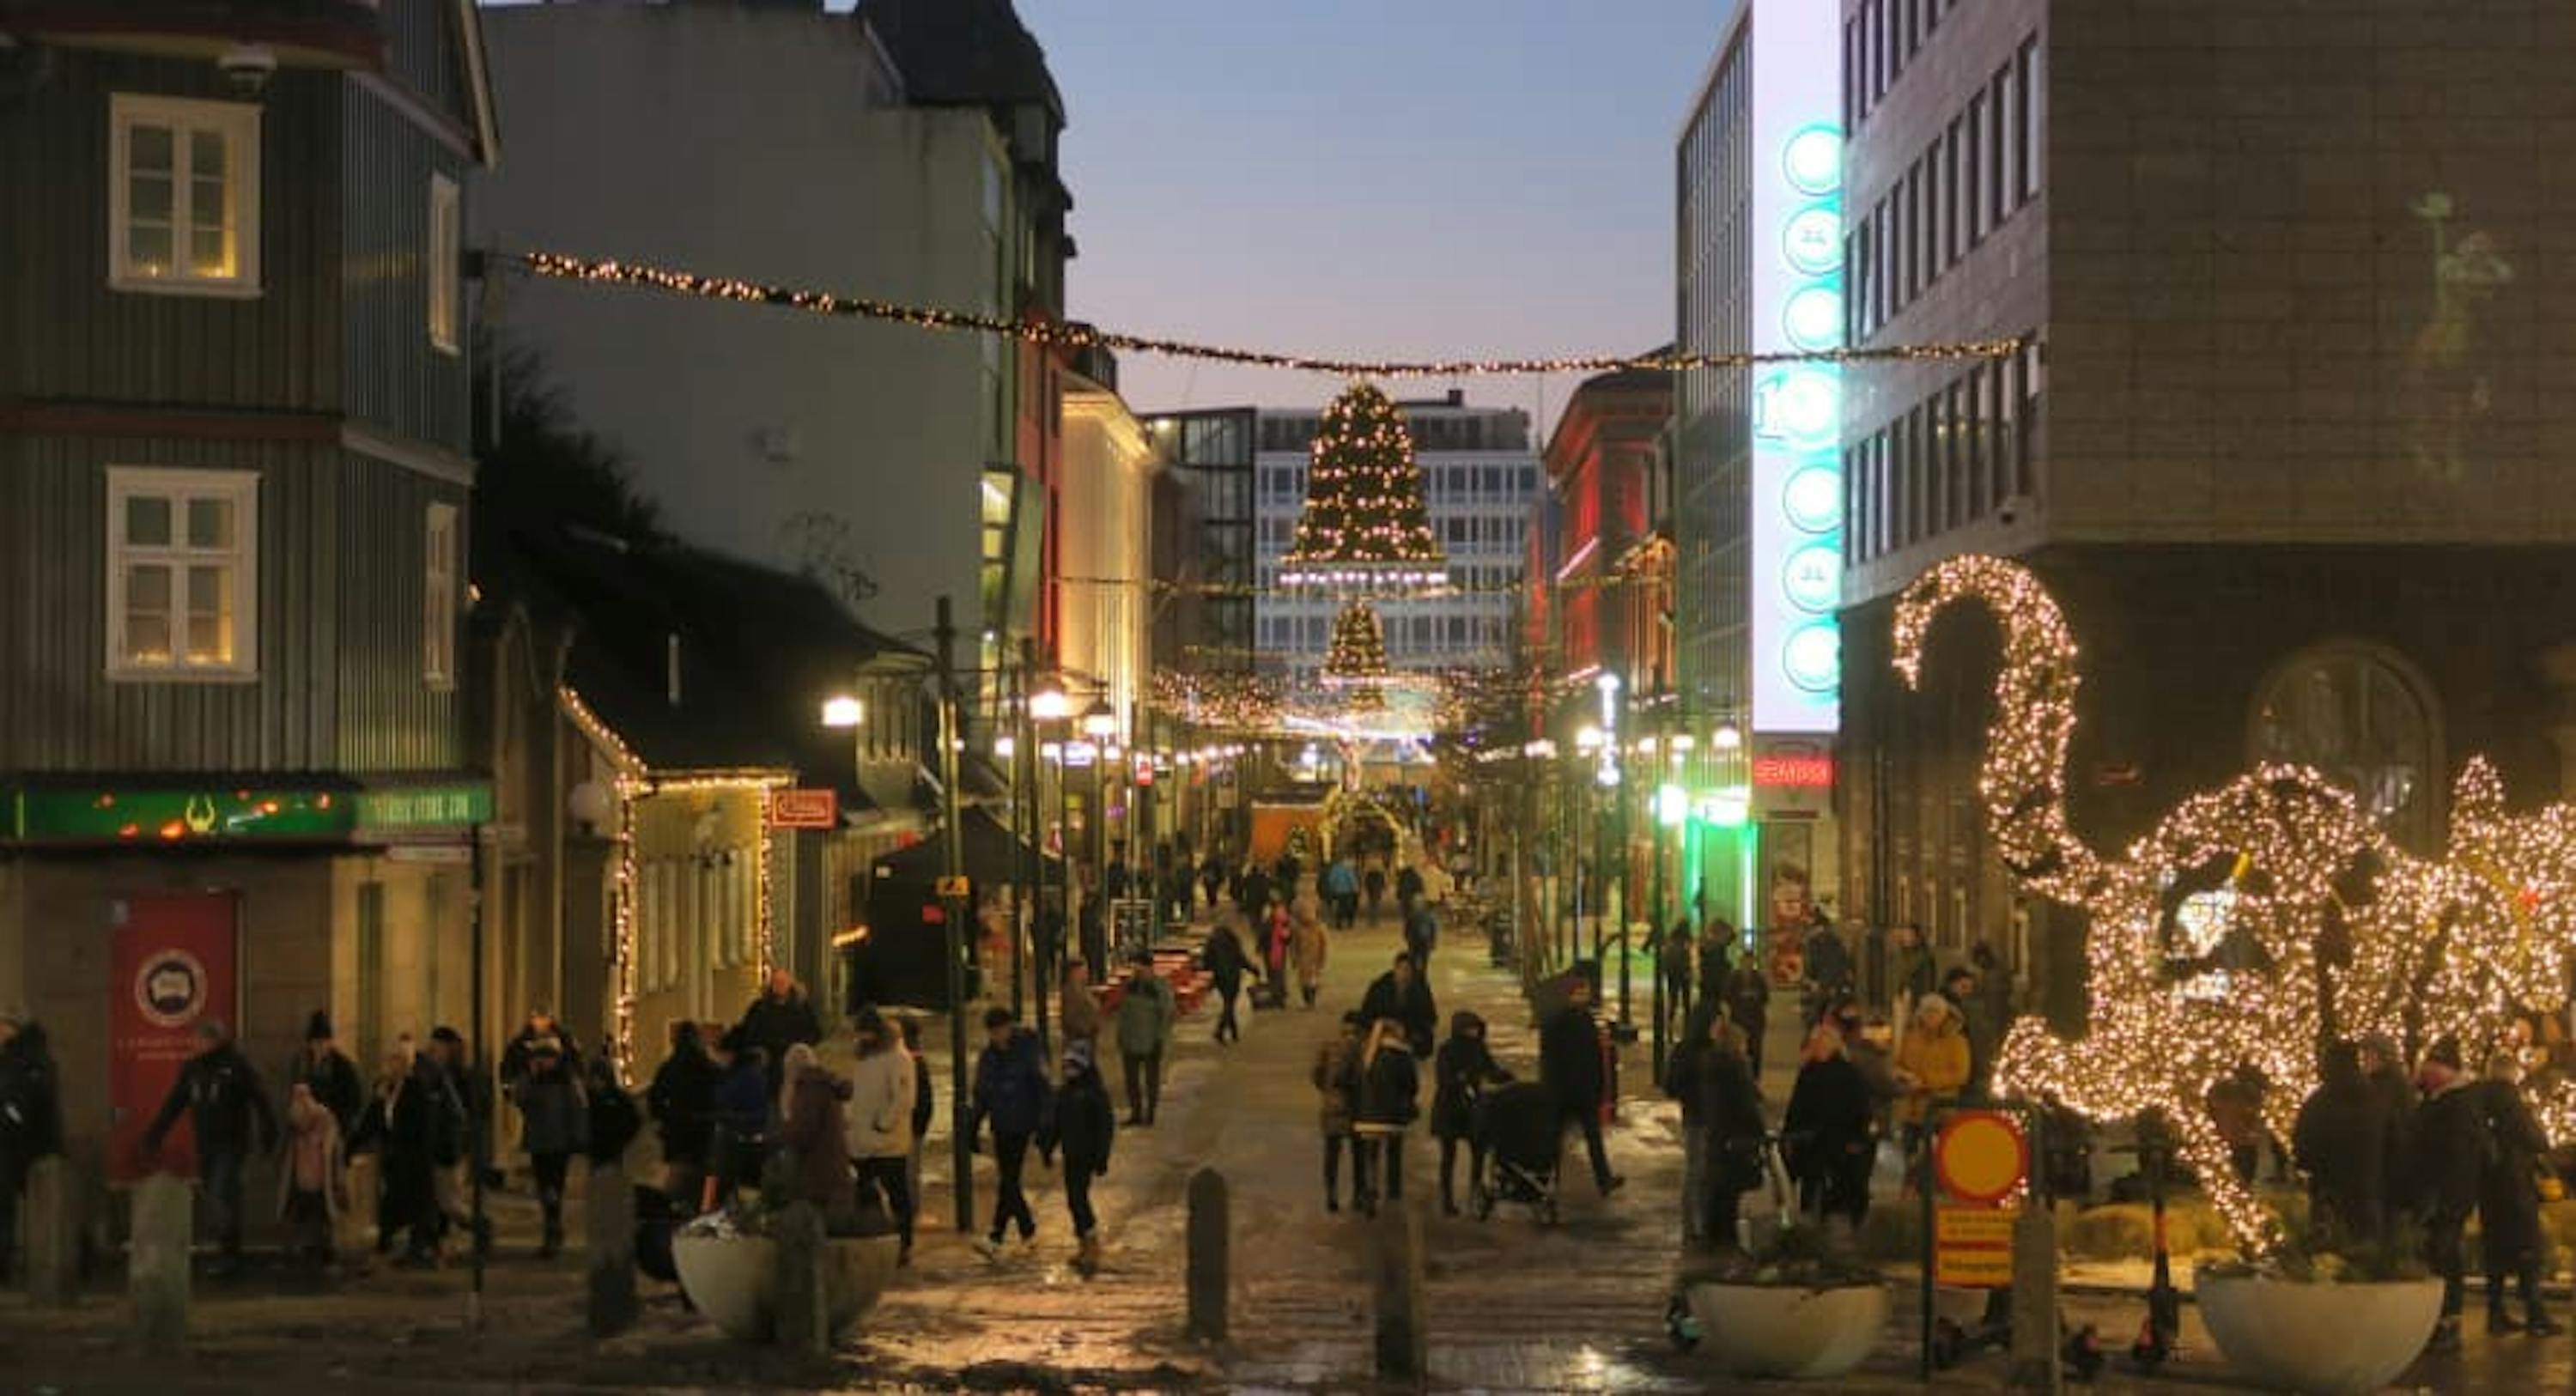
[
  {"x": 1083, "y": 1124},
  {"x": 2448, "y": 1144},
  {"x": 327, "y": 1071}
]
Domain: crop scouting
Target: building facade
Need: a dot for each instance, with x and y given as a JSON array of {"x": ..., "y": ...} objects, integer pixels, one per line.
[
  {"x": 905, "y": 151},
  {"x": 1757, "y": 507},
  {"x": 234, "y": 470},
  {"x": 1480, "y": 477},
  {"x": 2283, "y": 433}
]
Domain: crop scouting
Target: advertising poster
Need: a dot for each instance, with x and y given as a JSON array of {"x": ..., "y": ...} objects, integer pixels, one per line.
[{"x": 171, "y": 966}]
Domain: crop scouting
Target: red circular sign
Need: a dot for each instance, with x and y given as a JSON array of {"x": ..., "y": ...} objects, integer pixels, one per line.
[{"x": 1980, "y": 1155}]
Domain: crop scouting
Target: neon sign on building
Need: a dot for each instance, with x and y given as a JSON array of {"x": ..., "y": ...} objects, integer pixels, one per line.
[{"x": 1797, "y": 304}]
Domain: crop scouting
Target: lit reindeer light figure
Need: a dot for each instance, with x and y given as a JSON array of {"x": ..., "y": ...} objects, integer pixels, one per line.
[{"x": 2225, "y": 939}]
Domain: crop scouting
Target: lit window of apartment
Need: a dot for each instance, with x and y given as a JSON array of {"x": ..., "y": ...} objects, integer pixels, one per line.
[
  {"x": 446, "y": 253},
  {"x": 183, "y": 195},
  {"x": 438, "y": 598},
  {"x": 182, "y": 573}
]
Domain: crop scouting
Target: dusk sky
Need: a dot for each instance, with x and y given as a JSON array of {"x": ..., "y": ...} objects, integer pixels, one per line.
[{"x": 1423, "y": 178}]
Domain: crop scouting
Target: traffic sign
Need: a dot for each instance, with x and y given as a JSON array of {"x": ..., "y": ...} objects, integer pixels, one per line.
[
  {"x": 805, "y": 809},
  {"x": 1972, "y": 1247},
  {"x": 952, "y": 887},
  {"x": 1980, "y": 1156}
]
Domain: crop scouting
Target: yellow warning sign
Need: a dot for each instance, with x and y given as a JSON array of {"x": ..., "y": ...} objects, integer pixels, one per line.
[
  {"x": 1972, "y": 1247},
  {"x": 952, "y": 887},
  {"x": 1980, "y": 1156}
]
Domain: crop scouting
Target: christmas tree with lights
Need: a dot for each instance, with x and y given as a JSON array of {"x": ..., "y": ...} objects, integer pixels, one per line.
[
  {"x": 1358, "y": 651},
  {"x": 1364, "y": 528}
]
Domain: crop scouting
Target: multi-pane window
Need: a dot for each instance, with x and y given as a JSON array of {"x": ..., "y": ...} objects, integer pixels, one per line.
[
  {"x": 438, "y": 597},
  {"x": 183, "y": 195},
  {"x": 446, "y": 252},
  {"x": 182, "y": 573}
]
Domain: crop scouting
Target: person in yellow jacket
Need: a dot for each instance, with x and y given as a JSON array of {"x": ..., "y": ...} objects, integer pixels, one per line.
[{"x": 1931, "y": 1064}]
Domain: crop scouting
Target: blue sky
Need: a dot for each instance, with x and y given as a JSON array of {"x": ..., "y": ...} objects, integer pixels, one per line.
[{"x": 1414, "y": 177}]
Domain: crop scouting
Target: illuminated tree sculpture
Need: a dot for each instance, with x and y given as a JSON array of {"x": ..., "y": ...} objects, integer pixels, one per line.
[
  {"x": 1364, "y": 528},
  {"x": 1357, "y": 653},
  {"x": 2254, "y": 919}
]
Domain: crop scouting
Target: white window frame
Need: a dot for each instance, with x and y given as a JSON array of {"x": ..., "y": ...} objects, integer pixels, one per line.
[
  {"x": 446, "y": 251},
  {"x": 438, "y": 597},
  {"x": 238, "y": 487},
  {"x": 239, "y": 124}
]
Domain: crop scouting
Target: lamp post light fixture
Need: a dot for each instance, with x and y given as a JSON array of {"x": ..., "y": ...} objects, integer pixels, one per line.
[
  {"x": 1099, "y": 720},
  {"x": 1049, "y": 704},
  {"x": 1728, "y": 737},
  {"x": 842, "y": 710}
]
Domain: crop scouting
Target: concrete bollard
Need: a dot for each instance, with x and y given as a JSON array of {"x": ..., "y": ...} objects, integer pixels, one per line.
[
  {"x": 1403, "y": 1339},
  {"x": 804, "y": 1320},
  {"x": 157, "y": 1274},
  {"x": 2035, "y": 1336},
  {"x": 49, "y": 1232},
  {"x": 1210, "y": 1240},
  {"x": 608, "y": 1214}
]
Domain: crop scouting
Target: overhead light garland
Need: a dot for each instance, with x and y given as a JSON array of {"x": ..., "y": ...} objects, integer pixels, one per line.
[
  {"x": 1364, "y": 527},
  {"x": 1074, "y": 334},
  {"x": 2253, "y": 920}
]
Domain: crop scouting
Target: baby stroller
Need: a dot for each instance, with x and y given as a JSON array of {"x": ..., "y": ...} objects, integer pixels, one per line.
[{"x": 1516, "y": 1126}]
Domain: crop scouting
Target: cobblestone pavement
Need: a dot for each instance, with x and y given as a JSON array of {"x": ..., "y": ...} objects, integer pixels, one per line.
[{"x": 1515, "y": 1306}]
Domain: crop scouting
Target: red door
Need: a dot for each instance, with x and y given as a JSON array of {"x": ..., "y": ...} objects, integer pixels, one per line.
[{"x": 173, "y": 964}]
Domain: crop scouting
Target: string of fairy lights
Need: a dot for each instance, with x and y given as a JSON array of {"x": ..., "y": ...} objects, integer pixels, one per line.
[
  {"x": 2205, "y": 964},
  {"x": 1076, "y": 334}
]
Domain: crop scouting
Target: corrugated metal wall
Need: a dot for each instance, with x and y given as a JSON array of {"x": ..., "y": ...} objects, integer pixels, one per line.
[
  {"x": 398, "y": 383},
  {"x": 422, "y": 35},
  {"x": 66, "y": 335},
  {"x": 59, "y": 712},
  {"x": 389, "y": 718}
]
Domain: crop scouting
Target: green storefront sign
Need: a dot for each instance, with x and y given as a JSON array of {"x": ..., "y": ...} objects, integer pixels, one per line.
[{"x": 197, "y": 816}]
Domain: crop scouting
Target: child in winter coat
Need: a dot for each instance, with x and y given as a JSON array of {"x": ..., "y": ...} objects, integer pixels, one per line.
[
  {"x": 1083, "y": 1125},
  {"x": 312, "y": 1187},
  {"x": 1460, "y": 1073}
]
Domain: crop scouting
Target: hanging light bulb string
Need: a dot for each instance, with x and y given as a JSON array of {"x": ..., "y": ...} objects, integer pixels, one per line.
[{"x": 1076, "y": 334}]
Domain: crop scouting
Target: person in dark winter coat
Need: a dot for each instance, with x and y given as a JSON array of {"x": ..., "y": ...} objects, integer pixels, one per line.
[
  {"x": 614, "y": 1120},
  {"x": 1421, "y": 929},
  {"x": 1459, "y": 1075},
  {"x": 782, "y": 1017},
  {"x": 1402, "y": 994},
  {"x": 31, "y": 1118},
  {"x": 542, "y": 1026},
  {"x": 1830, "y": 1131},
  {"x": 1408, "y": 883},
  {"x": 1336, "y": 1078},
  {"x": 2447, "y": 1144},
  {"x": 2510, "y": 1238},
  {"x": 682, "y": 1100},
  {"x": 554, "y": 1124},
  {"x": 327, "y": 1072},
  {"x": 1255, "y": 901},
  {"x": 1082, "y": 1125},
  {"x": 1227, "y": 965},
  {"x": 1373, "y": 883},
  {"x": 2385, "y": 1068},
  {"x": 739, "y": 1116},
  {"x": 813, "y": 1129},
  {"x": 1748, "y": 1009},
  {"x": 229, "y": 1113},
  {"x": 1573, "y": 1065},
  {"x": 2342, "y": 1142},
  {"x": 1011, "y": 1095},
  {"x": 1730, "y": 1111},
  {"x": 1390, "y": 1091},
  {"x": 415, "y": 1122}
]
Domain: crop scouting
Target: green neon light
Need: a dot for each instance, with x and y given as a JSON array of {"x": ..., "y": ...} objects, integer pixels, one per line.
[{"x": 242, "y": 813}]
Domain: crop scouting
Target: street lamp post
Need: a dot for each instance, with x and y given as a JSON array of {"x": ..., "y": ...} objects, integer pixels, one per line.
[{"x": 1046, "y": 705}]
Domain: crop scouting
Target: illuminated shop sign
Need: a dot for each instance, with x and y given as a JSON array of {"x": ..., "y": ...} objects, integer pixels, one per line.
[{"x": 1797, "y": 304}]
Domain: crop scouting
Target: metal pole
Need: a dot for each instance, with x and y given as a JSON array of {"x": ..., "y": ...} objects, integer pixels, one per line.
[
  {"x": 953, "y": 867},
  {"x": 476, "y": 1122},
  {"x": 1015, "y": 693},
  {"x": 1030, "y": 802}
]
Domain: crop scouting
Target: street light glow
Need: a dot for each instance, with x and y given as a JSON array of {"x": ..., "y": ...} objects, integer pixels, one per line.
[
  {"x": 842, "y": 710},
  {"x": 1587, "y": 738},
  {"x": 1004, "y": 748},
  {"x": 1727, "y": 737},
  {"x": 1099, "y": 720}
]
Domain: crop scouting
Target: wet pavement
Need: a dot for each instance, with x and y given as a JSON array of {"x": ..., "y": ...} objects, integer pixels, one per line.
[{"x": 1515, "y": 1306}]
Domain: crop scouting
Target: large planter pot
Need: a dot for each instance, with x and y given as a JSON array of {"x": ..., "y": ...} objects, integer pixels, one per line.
[
  {"x": 2322, "y": 1338},
  {"x": 731, "y": 1279},
  {"x": 1779, "y": 1331}
]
